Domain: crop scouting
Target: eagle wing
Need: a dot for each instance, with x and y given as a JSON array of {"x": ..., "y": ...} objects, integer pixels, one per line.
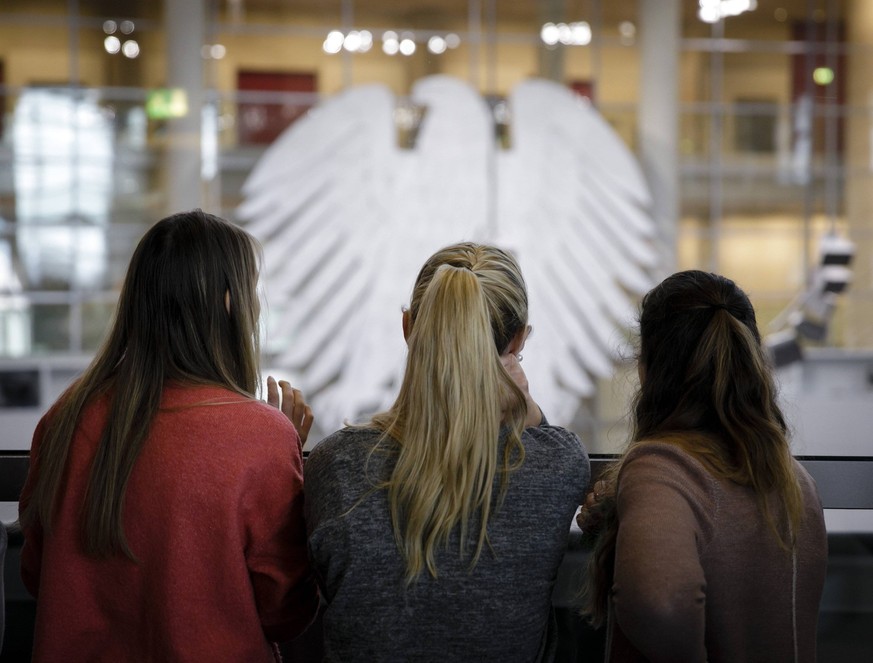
[
  {"x": 574, "y": 206},
  {"x": 347, "y": 217}
]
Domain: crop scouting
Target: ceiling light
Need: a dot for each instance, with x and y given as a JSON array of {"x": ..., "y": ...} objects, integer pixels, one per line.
[
  {"x": 407, "y": 47},
  {"x": 436, "y": 45}
]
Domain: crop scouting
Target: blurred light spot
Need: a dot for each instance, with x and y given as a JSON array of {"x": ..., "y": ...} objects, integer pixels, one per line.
[
  {"x": 436, "y": 45},
  {"x": 109, "y": 27},
  {"x": 126, "y": 27},
  {"x": 712, "y": 11},
  {"x": 130, "y": 48},
  {"x": 627, "y": 29},
  {"x": 453, "y": 40},
  {"x": 823, "y": 75},
  {"x": 580, "y": 33},
  {"x": 217, "y": 51},
  {"x": 780, "y": 15},
  {"x": 407, "y": 47},
  {"x": 366, "y": 41},
  {"x": 352, "y": 41},
  {"x": 709, "y": 14},
  {"x": 112, "y": 44},
  {"x": 333, "y": 43},
  {"x": 573, "y": 34},
  {"x": 549, "y": 34}
]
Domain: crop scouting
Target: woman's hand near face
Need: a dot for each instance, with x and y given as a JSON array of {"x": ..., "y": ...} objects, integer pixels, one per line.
[
  {"x": 516, "y": 372},
  {"x": 291, "y": 403}
]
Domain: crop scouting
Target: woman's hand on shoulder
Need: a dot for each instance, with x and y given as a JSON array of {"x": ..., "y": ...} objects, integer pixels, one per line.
[
  {"x": 290, "y": 402},
  {"x": 512, "y": 364}
]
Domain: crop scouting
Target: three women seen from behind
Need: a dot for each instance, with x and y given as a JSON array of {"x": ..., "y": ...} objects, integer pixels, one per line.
[
  {"x": 163, "y": 513},
  {"x": 163, "y": 510},
  {"x": 437, "y": 528},
  {"x": 712, "y": 544}
]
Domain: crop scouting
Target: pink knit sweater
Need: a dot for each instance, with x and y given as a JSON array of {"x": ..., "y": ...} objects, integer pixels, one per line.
[
  {"x": 700, "y": 577},
  {"x": 214, "y": 514}
]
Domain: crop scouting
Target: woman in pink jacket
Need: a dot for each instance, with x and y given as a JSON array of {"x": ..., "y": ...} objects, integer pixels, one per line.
[{"x": 163, "y": 512}]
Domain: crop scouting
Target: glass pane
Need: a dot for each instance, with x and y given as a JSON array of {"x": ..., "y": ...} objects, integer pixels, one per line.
[
  {"x": 50, "y": 327},
  {"x": 96, "y": 317},
  {"x": 15, "y": 330}
]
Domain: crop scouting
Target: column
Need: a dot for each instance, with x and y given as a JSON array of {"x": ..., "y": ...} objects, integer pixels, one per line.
[
  {"x": 858, "y": 161},
  {"x": 658, "y": 114},
  {"x": 185, "y": 22}
]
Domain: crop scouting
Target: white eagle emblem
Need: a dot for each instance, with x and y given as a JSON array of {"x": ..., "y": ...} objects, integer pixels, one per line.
[{"x": 348, "y": 214}]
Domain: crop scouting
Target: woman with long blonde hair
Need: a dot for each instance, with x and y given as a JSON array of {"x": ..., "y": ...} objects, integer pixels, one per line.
[
  {"x": 711, "y": 543},
  {"x": 163, "y": 511},
  {"x": 437, "y": 528}
]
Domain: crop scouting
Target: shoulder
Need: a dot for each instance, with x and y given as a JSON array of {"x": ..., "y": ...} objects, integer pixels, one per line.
[
  {"x": 225, "y": 419},
  {"x": 662, "y": 455},
  {"x": 556, "y": 440},
  {"x": 224, "y": 403},
  {"x": 662, "y": 467},
  {"x": 555, "y": 445},
  {"x": 559, "y": 454},
  {"x": 804, "y": 478},
  {"x": 347, "y": 446},
  {"x": 338, "y": 471},
  {"x": 809, "y": 489}
]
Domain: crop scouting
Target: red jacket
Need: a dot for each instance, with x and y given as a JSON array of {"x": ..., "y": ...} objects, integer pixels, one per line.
[{"x": 213, "y": 513}]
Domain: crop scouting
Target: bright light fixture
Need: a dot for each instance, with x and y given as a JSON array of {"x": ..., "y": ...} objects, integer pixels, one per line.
[
  {"x": 436, "y": 45},
  {"x": 712, "y": 11},
  {"x": 112, "y": 44},
  {"x": 333, "y": 43},
  {"x": 130, "y": 48},
  {"x": 568, "y": 34},
  {"x": 407, "y": 46}
]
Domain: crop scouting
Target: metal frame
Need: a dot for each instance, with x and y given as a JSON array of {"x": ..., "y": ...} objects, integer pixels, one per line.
[{"x": 844, "y": 482}]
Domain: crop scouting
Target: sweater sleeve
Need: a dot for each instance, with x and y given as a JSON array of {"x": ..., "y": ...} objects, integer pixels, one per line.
[
  {"x": 284, "y": 588},
  {"x": 659, "y": 589}
]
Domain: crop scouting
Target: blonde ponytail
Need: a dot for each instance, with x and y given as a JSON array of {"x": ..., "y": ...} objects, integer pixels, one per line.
[{"x": 453, "y": 400}]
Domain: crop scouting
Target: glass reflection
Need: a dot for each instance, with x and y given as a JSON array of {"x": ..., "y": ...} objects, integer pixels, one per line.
[{"x": 62, "y": 172}]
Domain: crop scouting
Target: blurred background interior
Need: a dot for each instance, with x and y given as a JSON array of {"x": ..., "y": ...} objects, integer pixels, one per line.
[{"x": 752, "y": 121}]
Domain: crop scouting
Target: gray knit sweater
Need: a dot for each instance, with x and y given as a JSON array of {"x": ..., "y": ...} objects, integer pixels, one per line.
[{"x": 499, "y": 610}]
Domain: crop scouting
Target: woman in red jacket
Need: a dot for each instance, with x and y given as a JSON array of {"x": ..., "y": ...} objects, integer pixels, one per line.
[{"x": 163, "y": 512}]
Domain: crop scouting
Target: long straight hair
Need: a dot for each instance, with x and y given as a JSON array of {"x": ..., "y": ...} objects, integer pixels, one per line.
[
  {"x": 172, "y": 323},
  {"x": 706, "y": 386},
  {"x": 468, "y": 303}
]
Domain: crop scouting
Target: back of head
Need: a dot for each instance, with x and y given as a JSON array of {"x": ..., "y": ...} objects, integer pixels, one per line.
[
  {"x": 185, "y": 274},
  {"x": 499, "y": 277},
  {"x": 468, "y": 303},
  {"x": 706, "y": 385},
  {"x": 187, "y": 312},
  {"x": 705, "y": 378},
  {"x": 700, "y": 357}
]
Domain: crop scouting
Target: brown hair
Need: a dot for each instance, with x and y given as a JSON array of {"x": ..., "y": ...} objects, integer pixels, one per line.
[
  {"x": 706, "y": 386},
  {"x": 171, "y": 323}
]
